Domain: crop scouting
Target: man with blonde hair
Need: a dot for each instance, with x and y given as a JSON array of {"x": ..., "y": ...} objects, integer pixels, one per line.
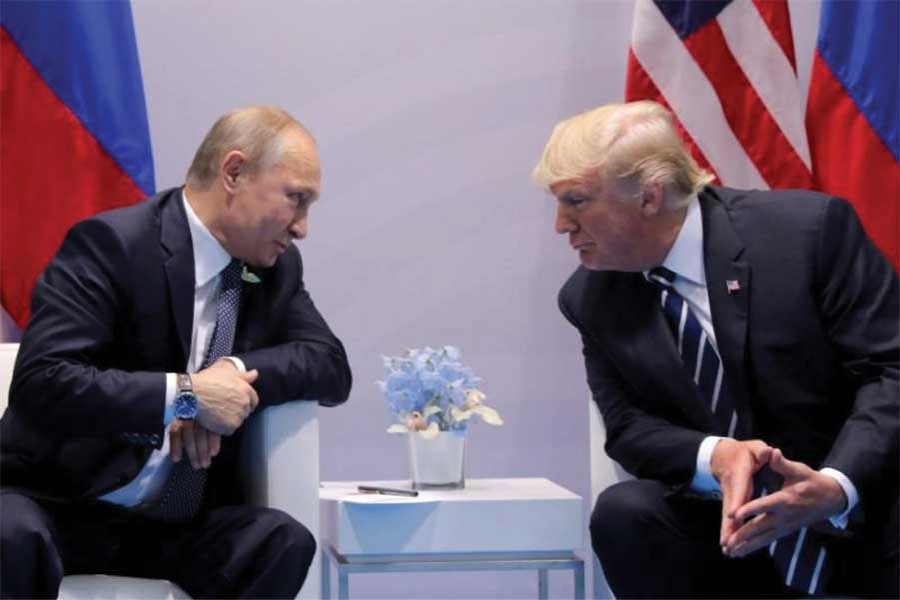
[
  {"x": 157, "y": 330},
  {"x": 742, "y": 347}
]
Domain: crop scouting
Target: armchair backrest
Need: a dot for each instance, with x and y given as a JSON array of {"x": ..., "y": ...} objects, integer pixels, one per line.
[{"x": 8, "y": 354}]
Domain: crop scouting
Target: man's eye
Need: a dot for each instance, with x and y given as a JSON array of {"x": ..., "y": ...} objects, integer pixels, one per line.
[{"x": 575, "y": 200}]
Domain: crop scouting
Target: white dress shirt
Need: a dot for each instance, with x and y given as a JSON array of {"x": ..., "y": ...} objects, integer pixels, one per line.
[
  {"x": 209, "y": 260},
  {"x": 685, "y": 259}
]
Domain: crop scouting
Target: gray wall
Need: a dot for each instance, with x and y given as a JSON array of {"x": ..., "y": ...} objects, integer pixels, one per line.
[{"x": 429, "y": 116}]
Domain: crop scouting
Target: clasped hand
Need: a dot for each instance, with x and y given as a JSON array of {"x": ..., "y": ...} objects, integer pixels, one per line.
[
  {"x": 748, "y": 524},
  {"x": 225, "y": 398}
]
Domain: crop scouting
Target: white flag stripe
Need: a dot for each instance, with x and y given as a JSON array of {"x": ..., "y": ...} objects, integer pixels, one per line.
[
  {"x": 673, "y": 70},
  {"x": 814, "y": 583},
  {"x": 768, "y": 69},
  {"x": 797, "y": 547}
]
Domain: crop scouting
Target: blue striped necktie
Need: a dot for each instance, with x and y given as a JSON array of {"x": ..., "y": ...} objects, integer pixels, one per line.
[
  {"x": 800, "y": 556},
  {"x": 182, "y": 495},
  {"x": 697, "y": 352}
]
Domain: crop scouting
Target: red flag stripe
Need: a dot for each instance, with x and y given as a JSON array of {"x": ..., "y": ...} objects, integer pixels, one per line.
[
  {"x": 768, "y": 70},
  {"x": 747, "y": 115},
  {"x": 778, "y": 20}
]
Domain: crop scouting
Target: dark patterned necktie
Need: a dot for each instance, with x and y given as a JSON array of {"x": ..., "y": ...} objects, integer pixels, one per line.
[
  {"x": 800, "y": 557},
  {"x": 697, "y": 352},
  {"x": 182, "y": 495}
]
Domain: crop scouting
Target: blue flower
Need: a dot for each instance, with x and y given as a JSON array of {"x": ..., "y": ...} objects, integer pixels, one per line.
[{"x": 429, "y": 390}]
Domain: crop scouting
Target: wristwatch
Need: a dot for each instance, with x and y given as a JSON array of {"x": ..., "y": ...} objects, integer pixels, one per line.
[{"x": 185, "y": 399}]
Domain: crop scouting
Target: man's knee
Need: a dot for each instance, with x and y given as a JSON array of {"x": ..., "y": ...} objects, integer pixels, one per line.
[
  {"x": 32, "y": 566},
  {"x": 623, "y": 510},
  {"x": 23, "y": 525},
  {"x": 290, "y": 538}
]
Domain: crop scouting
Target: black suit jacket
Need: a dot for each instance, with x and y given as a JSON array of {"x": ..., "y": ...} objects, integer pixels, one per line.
[
  {"x": 111, "y": 314},
  {"x": 809, "y": 342}
]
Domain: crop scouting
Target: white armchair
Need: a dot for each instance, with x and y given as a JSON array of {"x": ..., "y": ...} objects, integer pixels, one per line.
[
  {"x": 604, "y": 472},
  {"x": 280, "y": 468}
]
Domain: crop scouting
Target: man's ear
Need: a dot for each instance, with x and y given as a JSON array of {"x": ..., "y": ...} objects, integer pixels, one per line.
[
  {"x": 653, "y": 200},
  {"x": 232, "y": 167}
]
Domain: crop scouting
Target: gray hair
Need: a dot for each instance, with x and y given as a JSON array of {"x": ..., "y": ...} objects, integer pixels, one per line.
[{"x": 254, "y": 130}]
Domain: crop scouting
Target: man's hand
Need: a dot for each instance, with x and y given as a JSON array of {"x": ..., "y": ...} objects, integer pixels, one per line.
[
  {"x": 806, "y": 497},
  {"x": 200, "y": 445},
  {"x": 225, "y": 396},
  {"x": 733, "y": 464}
]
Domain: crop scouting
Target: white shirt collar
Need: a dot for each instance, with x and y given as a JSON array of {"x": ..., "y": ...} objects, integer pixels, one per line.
[
  {"x": 685, "y": 258},
  {"x": 209, "y": 255}
]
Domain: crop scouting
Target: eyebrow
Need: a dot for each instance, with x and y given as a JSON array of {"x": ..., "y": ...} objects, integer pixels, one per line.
[{"x": 569, "y": 195}]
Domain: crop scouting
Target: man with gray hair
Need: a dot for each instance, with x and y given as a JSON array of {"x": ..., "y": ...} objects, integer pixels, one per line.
[
  {"x": 156, "y": 331},
  {"x": 742, "y": 347}
]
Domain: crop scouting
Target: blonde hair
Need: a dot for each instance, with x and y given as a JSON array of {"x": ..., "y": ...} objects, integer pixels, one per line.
[
  {"x": 254, "y": 130},
  {"x": 632, "y": 146}
]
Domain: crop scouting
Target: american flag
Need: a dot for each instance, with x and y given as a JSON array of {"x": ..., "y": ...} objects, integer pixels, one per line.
[{"x": 727, "y": 70}]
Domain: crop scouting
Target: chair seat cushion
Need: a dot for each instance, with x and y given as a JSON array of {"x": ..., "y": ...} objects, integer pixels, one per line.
[{"x": 108, "y": 587}]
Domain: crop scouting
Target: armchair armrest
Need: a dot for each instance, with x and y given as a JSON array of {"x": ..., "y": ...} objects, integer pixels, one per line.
[{"x": 280, "y": 469}]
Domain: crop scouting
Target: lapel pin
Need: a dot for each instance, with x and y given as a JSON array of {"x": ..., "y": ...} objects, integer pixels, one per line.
[{"x": 733, "y": 285}]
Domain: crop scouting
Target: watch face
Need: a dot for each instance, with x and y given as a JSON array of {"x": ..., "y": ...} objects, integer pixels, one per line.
[{"x": 186, "y": 405}]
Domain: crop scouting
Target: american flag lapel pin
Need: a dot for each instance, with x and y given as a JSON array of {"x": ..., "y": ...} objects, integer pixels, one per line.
[{"x": 733, "y": 285}]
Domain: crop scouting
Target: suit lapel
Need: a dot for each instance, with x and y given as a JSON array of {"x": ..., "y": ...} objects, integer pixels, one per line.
[
  {"x": 728, "y": 286},
  {"x": 647, "y": 349},
  {"x": 175, "y": 238}
]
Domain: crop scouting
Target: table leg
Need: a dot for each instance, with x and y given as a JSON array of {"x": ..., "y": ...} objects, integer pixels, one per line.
[
  {"x": 343, "y": 585},
  {"x": 543, "y": 593},
  {"x": 326, "y": 574},
  {"x": 579, "y": 580}
]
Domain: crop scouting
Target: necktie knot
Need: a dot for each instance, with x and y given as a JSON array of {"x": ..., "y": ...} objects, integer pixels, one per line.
[
  {"x": 231, "y": 274},
  {"x": 661, "y": 277}
]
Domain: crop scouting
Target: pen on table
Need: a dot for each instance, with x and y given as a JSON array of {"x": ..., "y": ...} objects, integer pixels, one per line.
[{"x": 377, "y": 489}]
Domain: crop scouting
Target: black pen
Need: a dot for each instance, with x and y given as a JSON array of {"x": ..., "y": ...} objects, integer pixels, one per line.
[{"x": 375, "y": 489}]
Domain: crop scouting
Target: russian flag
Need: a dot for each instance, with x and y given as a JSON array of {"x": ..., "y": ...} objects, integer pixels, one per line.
[
  {"x": 853, "y": 113},
  {"x": 75, "y": 139}
]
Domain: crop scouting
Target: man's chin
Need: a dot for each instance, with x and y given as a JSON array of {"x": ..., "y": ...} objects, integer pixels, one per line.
[
  {"x": 263, "y": 263},
  {"x": 591, "y": 263}
]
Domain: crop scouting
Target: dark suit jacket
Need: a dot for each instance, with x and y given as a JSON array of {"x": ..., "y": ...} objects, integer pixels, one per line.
[
  {"x": 809, "y": 342},
  {"x": 111, "y": 314}
]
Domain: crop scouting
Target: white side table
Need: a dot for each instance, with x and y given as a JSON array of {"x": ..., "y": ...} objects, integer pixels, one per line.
[{"x": 491, "y": 525}]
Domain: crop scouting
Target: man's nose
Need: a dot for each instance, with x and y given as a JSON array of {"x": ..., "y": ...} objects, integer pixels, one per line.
[
  {"x": 564, "y": 223},
  {"x": 299, "y": 227}
]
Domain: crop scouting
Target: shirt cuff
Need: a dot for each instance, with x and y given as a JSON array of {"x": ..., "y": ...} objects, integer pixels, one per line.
[
  {"x": 171, "y": 385},
  {"x": 703, "y": 481},
  {"x": 840, "y": 521},
  {"x": 238, "y": 363}
]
